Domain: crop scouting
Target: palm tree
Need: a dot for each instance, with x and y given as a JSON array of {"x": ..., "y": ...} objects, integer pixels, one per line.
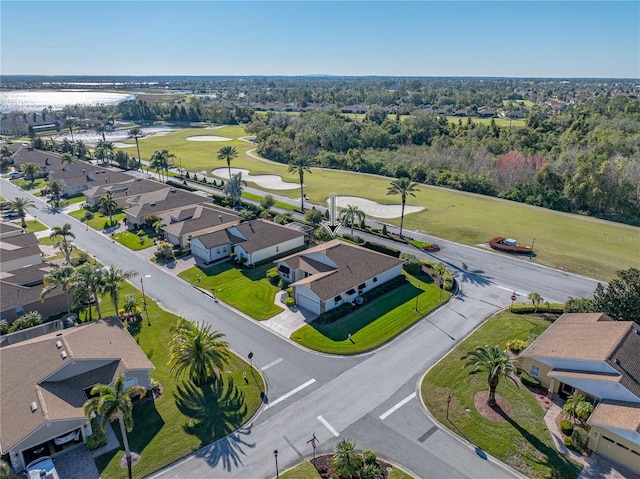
[
  {"x": 233, "y": 187},
  {"x": 70, "y": 123},
  {"x": 345, "y": 461},
  {"x": 87, "y": 282},
  {"x": 112, "y": 280},
  {"x": 80, "y": 150},
  {"x": 21, "y": 205},
  {"x": 101, "y": 129},
  {"x": 104, "y": 151},
  {"x": 578, "y": 408},
  {"x": 300, "y": 165},
  {"x": 495, "y": 362},
  {"x": 227, "y": 153},
  {"x": 55, "y": 188},
  {"x": 64, "y": 232},
  {"x": 58, "y": 277},
  {"x": 160, "y": 161},
  {"x": 136, "y": 133},
  {"x": 197, "y": 352},
  {"x": 108, "y": 206},
  {"x": 66, "y": 158},
  {"x": 350, "y": 214},
  {"x": 30, "y": 171},
  {"x": 402, "y": 186},
  {"x": 112, "y": 403},
  {"x": 536, "y": 299}
]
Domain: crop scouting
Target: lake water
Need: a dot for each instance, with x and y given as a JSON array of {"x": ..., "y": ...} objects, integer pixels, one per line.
[
  {"x": 37, "y": 100},
  {"x": 92, "y": 137}
]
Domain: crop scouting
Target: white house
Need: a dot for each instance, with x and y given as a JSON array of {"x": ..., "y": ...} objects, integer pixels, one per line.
[
  {"x": 252, "y": 242},
  {"x": 44, "y": 381},
  {"x": 334, "y": 273}
]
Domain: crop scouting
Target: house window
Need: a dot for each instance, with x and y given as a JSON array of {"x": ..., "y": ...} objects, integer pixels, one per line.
[
  {"x": 337, "y": 299},
  {"x": 362, "y": 286},
  {"x": 218, "y": 251},
  {"x": 534, "y": 371},
  {"x": 375, "y": 280}
]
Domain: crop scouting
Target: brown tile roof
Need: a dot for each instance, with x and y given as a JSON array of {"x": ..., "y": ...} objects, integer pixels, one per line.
[
  {"x": 125, "y": 189},
  {"x": 353, "y": 265},
  {"x": 580, "y": 336},
  {"x": 29, "y": 368},
  {"x": 220, "y": 236},
  {"x": 20, "y": 246},
  {"x": 199, "y": 217},
  {"x": 261, "y": 234},
  {"x": 618, "y": 414}
]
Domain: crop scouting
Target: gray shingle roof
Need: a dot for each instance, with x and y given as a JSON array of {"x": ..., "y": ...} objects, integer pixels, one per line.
[{"x": 261, "y": 234}]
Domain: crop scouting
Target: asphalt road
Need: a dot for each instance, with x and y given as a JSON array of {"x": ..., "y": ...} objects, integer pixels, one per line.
[{"x": 372, "y": 398}]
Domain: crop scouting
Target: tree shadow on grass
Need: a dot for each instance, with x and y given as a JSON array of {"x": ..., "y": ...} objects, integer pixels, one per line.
[
  {"x": 560, "y": 465},
  {"x": 215, "y": 410}
]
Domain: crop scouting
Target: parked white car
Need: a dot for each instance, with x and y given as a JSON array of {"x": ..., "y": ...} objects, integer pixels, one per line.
[{"x": 42, "y": 468}]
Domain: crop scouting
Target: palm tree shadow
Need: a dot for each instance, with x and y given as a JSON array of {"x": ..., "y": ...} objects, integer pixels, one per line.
[
  {"x": 216, "y": 410},
  {"x": 548, "y": 455}
]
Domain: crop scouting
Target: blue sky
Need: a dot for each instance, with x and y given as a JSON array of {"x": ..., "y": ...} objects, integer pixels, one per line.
[{"x": 417, "y": 38}]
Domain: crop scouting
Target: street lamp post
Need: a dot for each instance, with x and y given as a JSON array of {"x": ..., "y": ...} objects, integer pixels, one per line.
[
  {"x": 144, "y": 299},
  {"x": 417, "y": 297},
  {"x": 275, "y": 454},
  {"x": 250, "y": 356}
]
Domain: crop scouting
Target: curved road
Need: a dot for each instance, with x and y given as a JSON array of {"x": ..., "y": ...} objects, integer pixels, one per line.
[{"x": 371, "y": 398}]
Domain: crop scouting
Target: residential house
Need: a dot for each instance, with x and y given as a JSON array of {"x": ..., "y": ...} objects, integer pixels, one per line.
[
  {"x": 158, "y": 202},
  {"x": 252, "y": 242},
  {"x": 121, "y": 191},
  {"x": 81, "y": 176},
  {"x": 334, "y": 273},
  {"x": 183, "y": 224},
  {"x": 20, "y": 291},
  {"x": 592, "y": 355},
  {"x": 18, "y": 251},
  {"x": 44, "y": 381},
  {"x": 8, "y": 229}
]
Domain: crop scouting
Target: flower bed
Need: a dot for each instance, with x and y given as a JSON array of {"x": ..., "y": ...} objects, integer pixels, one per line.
[
  {"x": 498, "y": 243},
  {"x": 425, "y": 246}
]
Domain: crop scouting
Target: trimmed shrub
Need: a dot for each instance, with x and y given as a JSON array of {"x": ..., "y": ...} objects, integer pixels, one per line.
[
  {"x": 517, "y": 345},
  {"x": 384, "y": 230},
  {"x": 181, "y": 185},
  {"x": 382, "y": 249},
  {"x": 369, "y": 457},
  {"x": 290, "y": 292},
  {"x": 567, "y": 441},
  {"x": 335, "y": 313},
  {"x": 411, "y": 263},
  {"x": 447, "y": 281},
  {"x": 149, "y": 220},
  {"x": 528, "y": 380},
  {"x": 579, "y": 438},
  {"x": 273, "y": 276},
  {"x": 290, "y": 302},
  {"x": 566, "y": 427},
  {"x": 527, "y": 308},
  {"x": 98, "y": 438}
]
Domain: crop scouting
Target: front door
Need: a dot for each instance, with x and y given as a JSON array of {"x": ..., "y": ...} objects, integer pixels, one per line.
[{"x": 565, "y": 391}]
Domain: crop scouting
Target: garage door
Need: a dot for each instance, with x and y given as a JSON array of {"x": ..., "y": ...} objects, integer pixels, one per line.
[
  {"x": 626, "y": 454},
  {"x": 305, "y": 302}
]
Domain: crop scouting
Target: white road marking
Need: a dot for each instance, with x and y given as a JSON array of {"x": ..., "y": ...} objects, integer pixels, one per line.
[
  {"x": 398, "y": 406},
  {"x": 518, "y": 293},
  {"x": 291, "y": 393},
  {"x": 272, "y": 363},
  {"x": 328, "y": 426}
]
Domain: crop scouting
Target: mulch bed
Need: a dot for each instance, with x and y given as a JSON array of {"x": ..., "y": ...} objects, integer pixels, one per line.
[
  {"x": 134, "y": 459},
  {"x": 499, "y": 412},
  {"x": 325, "y": 469}
]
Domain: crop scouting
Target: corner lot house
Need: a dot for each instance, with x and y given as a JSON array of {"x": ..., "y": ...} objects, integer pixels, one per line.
[
  {"x": 334, "y": 273},
  {"x": 252, "y": 242},
  {"x": 592, "y": 355},
  {"x": 44, "y": 381}
]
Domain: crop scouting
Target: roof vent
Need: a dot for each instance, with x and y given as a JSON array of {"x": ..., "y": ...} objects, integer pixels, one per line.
[
  {"x": 153, "y": 203},
  {"x": 58, "y": 344},
  {"x": 63, "y": 355},
  {"x": 220, "y": 216},
  {"x": 617, "y": 361},
  {"x": 34, "y": 406}
]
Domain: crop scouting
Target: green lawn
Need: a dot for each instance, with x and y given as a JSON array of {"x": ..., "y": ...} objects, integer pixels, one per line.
[
  {"x": 487, "y": 121},
  {"x": 603, "y": 247},
  {"x": 376, "y": 322},
  {"x": 523, "y": 441},
  {"x": 183, "y": 419},
  {"x": 246, "y": 289},
  {"x": 277, "y": 204},
  {"x": 134, "y": 242},
  {"x": 28, "y": 184},
  {"x": 34, "y": 226},
  {"x": 99, "y": 221}
]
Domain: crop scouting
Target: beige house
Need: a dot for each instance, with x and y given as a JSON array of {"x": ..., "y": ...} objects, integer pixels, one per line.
[
  {"x": 334, "y": 273},
  {"x": 158, "y": 202},
  {"x": 44, "y": 381},
  {"x": 183, "y": 224},
  {"x": 592, "y": 355}
]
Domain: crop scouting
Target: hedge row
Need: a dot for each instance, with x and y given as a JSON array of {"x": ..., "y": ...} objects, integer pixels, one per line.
[
  {"x": 380, "y": 248},
  {"x": 526, "y": 308}
]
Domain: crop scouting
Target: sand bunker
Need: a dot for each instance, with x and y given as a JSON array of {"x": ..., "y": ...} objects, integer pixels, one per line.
[
  {"x": 271, "y": 182},
  {"x": 371, "y": 208},
  {"x": 208, "y": 138},
  {"x": 119, "y": 144}
]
